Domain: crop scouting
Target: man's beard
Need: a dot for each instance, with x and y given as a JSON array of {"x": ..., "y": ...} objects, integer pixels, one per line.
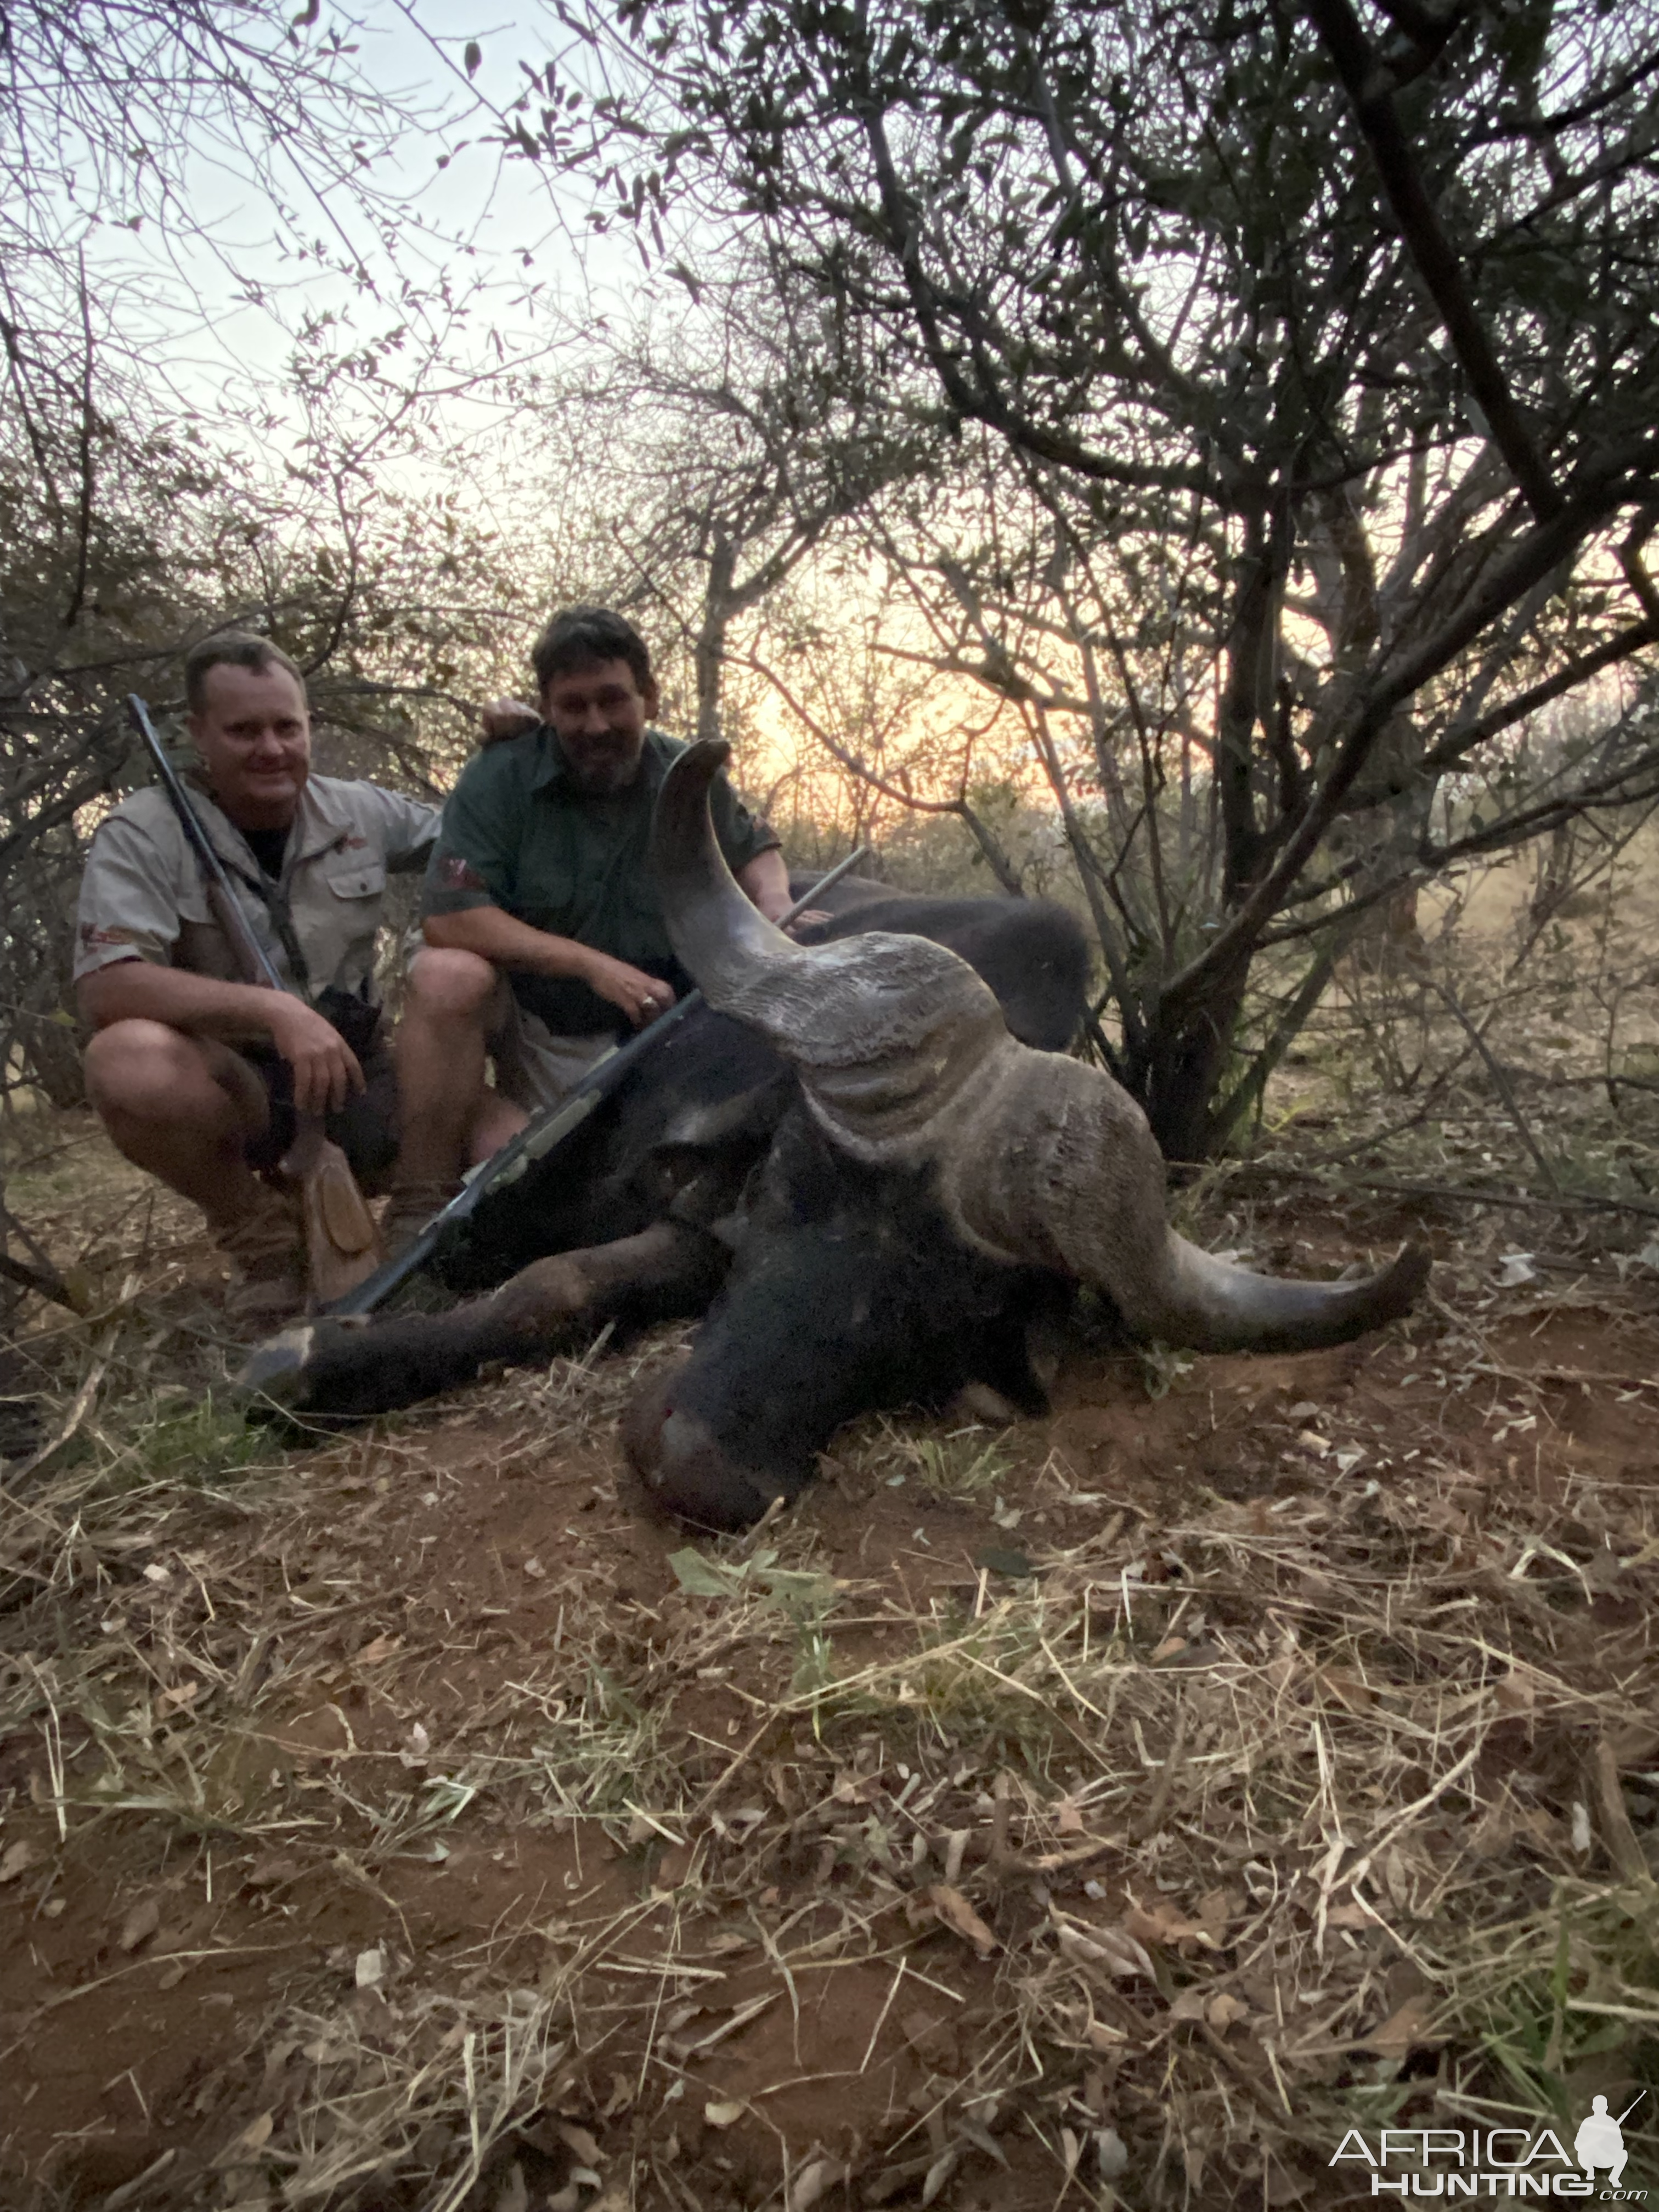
[{"x": 604, "y": 771}]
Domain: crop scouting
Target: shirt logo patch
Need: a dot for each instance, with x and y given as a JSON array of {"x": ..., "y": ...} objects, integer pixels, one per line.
[{"x": 456, "y": 874}]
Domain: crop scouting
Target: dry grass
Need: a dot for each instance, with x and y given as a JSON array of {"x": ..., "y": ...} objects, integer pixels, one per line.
[{"x": 1270, "y": 1818}]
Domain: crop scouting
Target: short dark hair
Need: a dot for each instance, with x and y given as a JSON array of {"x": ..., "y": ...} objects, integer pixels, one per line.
[
  {"x": 233, "y": 648},
  {"x": 582, "y": 637}
]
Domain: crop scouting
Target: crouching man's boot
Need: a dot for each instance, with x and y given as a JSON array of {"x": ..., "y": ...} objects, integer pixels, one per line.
[
  {"x": 267, "y": 1254},
  {"x": 409, "y": 1209}
]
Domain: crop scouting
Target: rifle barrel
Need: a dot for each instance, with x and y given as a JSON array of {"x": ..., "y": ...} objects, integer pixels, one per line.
[
  {"x": 202, "y": 845},
  {"x": 543, "y": 1132}
]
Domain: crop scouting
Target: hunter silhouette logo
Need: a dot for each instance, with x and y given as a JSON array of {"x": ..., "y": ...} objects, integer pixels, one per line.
[{"x": 1600, "y": 2141}]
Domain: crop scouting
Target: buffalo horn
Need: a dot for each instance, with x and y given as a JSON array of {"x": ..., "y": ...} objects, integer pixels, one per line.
[{"x": 1035, "y": 1158}]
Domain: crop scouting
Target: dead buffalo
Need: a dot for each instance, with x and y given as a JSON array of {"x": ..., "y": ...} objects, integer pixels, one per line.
[{"x": 870, "y": 1183}]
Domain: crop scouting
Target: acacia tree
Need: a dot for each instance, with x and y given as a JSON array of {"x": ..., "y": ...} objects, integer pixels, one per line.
[
  {"x": 711, "y": 450},
  {"x": 138, "y": 508},
  {"x": 1318, "y": 351}
]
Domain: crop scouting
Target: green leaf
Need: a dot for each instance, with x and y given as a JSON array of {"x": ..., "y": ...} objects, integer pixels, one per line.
[{"x": 703, "y": 1577}]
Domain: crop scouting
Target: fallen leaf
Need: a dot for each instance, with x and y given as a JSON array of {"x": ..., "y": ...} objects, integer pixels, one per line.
[
  {"x": 938, "y": 2173},
  {"x": 1349, "y": 1915},
  {"x": 513, "y": 2194},
  {"x": 1517, "y": 1691},
  {"x": 585, "y": 2145},
  {"x": 817, "y": 2180},
  {"x": 536, "y": 1571},
  {"x": 370, "y": 1968},
  {"x": 1111, "y": 2153},
  {"x": 376, "y": 1654},
  {"x": 1163, "y": 1924},
  {"x": 1494, "y": 1833},
  {"x": 140, "y": 1924},
  {"x": 1067, "y": 1819},
  {"x": 1395, "y": 1878},
  {"x": 182, "y": 1694},
  {"x": 1115, "y": 1948},
  {"x": 1215, "y": 1910},
  {"x": 1404, "y": 2031},
  {"x": 15, "y": 1859},
  {"x": 723, "y": 2116},
  {"x": 954, "y": 1910},
  {"x": 254, "y": 2136},
  {"x": 1226, "y": 2011}
]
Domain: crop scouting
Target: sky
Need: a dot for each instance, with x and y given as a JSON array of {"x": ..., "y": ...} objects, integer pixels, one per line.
[{"x": 483, "y": 220}]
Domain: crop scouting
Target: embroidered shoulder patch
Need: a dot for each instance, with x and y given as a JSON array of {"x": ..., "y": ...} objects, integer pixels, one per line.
[
  {"x": 91, "y": 934},
  {"x": 456, "y": 874}
]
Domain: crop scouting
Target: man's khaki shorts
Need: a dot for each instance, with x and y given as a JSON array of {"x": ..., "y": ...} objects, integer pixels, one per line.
[{"x": 533, "y": 1066}]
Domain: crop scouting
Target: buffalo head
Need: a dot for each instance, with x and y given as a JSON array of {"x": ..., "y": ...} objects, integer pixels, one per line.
[{"x": 1018, "y": 1167}]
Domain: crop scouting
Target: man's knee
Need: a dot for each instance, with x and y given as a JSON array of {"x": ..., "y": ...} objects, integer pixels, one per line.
[
  {"x": 454, "y": 985},
  {"x": 133, "y": 1066},
  {"x": 152, "y": 1073}
]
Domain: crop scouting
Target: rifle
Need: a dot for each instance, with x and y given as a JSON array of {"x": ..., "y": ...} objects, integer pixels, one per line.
[
  {"x": 543, "y": 1132},
  {"x": 342, "y": 1243}
]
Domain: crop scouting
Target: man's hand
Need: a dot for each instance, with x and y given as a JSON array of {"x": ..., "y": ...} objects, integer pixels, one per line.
[
  {"x": 641, "y": 997},
  {"x": 505, "y": 718},
  {"x": 326, "y": 1070}
]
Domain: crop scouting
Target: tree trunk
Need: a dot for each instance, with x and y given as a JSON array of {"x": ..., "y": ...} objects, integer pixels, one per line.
[
  {"x": 710, "y": 651},
  {"x": 1176, "y": 1073}
]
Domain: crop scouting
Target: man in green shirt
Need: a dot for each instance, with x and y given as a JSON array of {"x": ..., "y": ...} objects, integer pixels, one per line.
[{"x": 544, "y": 937}]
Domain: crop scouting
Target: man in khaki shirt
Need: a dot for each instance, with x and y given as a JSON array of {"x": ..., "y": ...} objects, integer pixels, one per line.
[{"x": 196, "y": 1074}]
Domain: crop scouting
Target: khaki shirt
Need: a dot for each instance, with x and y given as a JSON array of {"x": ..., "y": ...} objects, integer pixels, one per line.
[{"x": 142, "y": 896}]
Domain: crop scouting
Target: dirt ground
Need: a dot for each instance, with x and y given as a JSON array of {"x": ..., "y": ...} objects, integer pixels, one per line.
[{"x": 1111, "y": 1809}]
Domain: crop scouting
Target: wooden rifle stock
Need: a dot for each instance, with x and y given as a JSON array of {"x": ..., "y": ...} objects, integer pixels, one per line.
[{"x": 342, "y": 1245}]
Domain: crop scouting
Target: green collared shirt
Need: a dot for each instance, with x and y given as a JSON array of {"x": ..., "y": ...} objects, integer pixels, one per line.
[{"x": 518, "y": 834}]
